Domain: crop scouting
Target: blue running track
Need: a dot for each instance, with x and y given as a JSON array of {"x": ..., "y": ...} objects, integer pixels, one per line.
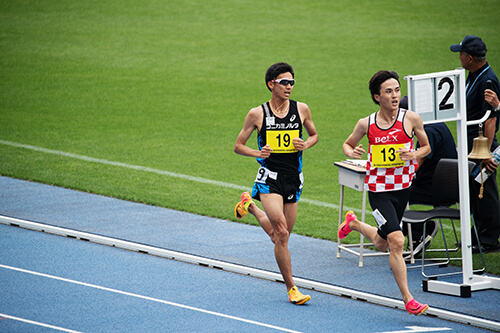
[{"x": 51, "y": 283}]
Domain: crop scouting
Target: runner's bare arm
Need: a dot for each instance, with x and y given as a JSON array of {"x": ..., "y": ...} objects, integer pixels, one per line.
[
  {"x": 253, "y": 120},
  {"x": 350, "y": 146}
]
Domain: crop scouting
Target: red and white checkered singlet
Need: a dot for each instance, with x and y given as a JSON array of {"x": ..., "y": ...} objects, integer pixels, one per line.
[{"x": 385, "y": 171}]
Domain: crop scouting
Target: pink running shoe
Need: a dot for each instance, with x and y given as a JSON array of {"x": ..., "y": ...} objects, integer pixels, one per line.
[
  {"x": 344, "y": 229},
  {"x": 414, "y": 307}
]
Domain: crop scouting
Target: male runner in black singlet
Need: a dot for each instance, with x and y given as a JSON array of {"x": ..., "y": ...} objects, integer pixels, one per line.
[{"x": 278, "y": 184}]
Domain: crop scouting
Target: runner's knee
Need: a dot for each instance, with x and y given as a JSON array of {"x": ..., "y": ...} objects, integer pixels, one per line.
[{"x": 396, "y": 242}]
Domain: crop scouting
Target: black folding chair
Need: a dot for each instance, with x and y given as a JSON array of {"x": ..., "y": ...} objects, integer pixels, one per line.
[{"x": 445, "y": 193}]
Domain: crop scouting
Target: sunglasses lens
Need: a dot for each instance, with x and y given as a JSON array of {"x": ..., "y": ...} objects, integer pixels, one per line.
[{"x": 286, "y": 82}]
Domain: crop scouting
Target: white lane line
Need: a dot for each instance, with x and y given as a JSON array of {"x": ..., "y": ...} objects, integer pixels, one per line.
[
  {"x": 415, "y": 329},
  {"x": 159, "y": 172},
  {"x": 157, "y": 300},
  {"x": 38, "y": 323}
]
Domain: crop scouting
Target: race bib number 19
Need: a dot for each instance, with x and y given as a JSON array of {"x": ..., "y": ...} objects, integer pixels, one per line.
[
  {"x": 281, "y": 141},
  {"x": 385, "y": 156}
]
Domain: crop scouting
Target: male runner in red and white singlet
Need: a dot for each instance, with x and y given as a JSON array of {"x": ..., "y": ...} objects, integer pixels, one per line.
[{"x": 392, "y": 162}]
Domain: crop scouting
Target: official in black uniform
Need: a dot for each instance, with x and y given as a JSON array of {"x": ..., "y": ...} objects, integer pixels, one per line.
[{"x": 486, "y": 211}]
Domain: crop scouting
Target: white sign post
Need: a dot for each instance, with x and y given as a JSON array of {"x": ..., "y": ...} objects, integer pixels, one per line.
[{"x": 440, "y": 97}]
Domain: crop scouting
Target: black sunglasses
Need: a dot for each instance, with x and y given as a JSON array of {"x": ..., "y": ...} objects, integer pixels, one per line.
[{"x": 285, "y": 82}]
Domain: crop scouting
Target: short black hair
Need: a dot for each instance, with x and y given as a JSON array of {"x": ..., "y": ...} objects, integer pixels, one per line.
[
  {"x": 379, "y": 78},
  {"x": 275, "y": 70}
]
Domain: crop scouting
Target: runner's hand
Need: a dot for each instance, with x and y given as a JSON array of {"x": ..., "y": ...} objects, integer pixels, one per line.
[
  {"x": 265, "y": 152},
  {"x": 358, "y": 152},
  {"x": 299, "y": 144},
  {"x": 406, "y": 155}
]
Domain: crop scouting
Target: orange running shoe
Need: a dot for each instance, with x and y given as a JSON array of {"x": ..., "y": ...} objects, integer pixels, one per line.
[
  {"x": 241, "y": 208},
  {"x": 246, "y": 200}
]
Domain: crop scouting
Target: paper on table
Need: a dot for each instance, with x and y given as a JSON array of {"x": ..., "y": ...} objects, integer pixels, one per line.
[{"x": 360, "y": 163}]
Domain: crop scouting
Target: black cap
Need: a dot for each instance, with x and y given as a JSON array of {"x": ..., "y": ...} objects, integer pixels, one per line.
[{"x": 471, "y": 45}]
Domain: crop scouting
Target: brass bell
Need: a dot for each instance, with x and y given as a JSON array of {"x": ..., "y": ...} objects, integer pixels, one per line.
[
  {"x": 480, "y": 147},
  {"x": 480, "y": 151}
]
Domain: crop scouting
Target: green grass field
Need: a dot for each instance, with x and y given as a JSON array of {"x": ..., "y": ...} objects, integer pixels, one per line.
[{"x": 165, "y": 85}]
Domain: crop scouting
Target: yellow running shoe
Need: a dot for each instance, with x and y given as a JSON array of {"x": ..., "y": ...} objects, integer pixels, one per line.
[
  {"x": 246, "y": 200},
  {"x": 239, "y": 211},
  {"x": 296, "y": 297},
  {"x": 241, "y": 208}
]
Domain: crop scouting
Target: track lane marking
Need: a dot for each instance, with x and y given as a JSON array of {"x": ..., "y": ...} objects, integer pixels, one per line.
[
  {"x": 38, "y": 323},
  {"x": 148, "y": 298}
]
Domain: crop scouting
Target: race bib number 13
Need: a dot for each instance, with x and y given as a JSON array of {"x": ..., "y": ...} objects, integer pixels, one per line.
[
  {"x": 385, "y": 156},
  {"x": 281, "y": 141}
]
